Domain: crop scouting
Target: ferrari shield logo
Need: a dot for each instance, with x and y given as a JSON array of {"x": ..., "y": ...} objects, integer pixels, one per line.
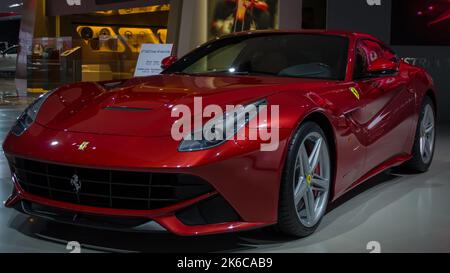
[
  {"x": 355, "y": 92},
  {"x": 83, "y": 146},
  {"x": 76, "y": 183}
]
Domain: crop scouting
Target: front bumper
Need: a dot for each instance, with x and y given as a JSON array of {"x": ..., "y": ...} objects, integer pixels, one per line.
[
  {"x": 239, "y": 172},
  {"x": 164, "y": 217}
]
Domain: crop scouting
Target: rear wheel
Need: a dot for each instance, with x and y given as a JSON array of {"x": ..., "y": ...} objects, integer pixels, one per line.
[
  {"x": 305, "y": 186},
  {"x": 423, "y": 150}
]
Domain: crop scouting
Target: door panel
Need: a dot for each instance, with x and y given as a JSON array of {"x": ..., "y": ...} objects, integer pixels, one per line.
[
  {"x": 388, "y": 105},
  {"x": 385, "y": 118},
  {"x": 349, "y": 136}
]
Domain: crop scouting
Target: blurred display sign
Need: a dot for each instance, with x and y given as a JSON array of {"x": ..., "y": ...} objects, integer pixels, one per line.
[
  {"x": 149, "y": 62},
  {"x": 66, "y": 7}
]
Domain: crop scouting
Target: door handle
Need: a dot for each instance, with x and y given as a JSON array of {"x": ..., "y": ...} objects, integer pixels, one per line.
[{"x": 376, "y": 85}]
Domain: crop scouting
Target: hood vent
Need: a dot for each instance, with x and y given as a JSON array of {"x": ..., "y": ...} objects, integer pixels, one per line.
[{"x": 127, "y": 109}]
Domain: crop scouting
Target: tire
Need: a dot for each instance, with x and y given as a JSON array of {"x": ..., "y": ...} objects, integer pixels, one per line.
[
  {"x": 419, "y": 162},
  {"x": 294, "y": 218}
]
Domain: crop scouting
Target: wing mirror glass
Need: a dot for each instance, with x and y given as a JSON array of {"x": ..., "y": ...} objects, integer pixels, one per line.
[{"x": 168, "y": 61}]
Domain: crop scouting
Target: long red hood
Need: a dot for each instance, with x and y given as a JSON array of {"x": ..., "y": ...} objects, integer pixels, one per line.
[{"x": 143, "y": 106}]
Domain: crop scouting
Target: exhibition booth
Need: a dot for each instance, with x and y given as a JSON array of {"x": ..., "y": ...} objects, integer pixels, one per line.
[
  {"x": 90, "y": 43},
  {"x": 93, "y": 40}
]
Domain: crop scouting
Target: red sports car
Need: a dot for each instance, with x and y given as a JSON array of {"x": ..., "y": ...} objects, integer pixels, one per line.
[{"x": 103, "y": 154}]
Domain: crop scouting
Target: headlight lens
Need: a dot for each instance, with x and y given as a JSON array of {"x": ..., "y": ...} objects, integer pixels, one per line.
[
  {"x": 29, "y": 115},
  {"x": 226, "y": 127}
]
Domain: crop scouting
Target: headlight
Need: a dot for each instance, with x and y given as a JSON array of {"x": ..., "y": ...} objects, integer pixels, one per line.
[
  {"x": 29, "y": 115},
  {"x": 221, "y": 128}
]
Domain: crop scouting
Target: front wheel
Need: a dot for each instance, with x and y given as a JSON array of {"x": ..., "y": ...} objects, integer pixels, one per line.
[
  {"x": 305, "y": 186},
  {"x": 423, "y": 150}
]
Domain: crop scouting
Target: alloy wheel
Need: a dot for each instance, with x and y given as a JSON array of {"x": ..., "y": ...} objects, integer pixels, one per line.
[
  {"x": 312, "y": 178},
  {"x": 427, "y": 134}
]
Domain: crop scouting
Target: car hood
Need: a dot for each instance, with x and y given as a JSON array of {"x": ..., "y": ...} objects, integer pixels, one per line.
[{"x": 143, "y": 106}]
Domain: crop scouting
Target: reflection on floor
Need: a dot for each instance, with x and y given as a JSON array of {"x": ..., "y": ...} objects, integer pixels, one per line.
[
  {"x": 404, "y": 213},
  {"x": 8, "y": 94},
  {"x": 8, "y": 86}
]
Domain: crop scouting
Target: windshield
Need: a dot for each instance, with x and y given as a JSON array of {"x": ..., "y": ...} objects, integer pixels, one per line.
[{"x": 283, "y": 55}]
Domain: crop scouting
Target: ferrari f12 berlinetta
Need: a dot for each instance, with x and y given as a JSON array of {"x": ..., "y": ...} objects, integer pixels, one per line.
[{"x": 102, "y": 154}]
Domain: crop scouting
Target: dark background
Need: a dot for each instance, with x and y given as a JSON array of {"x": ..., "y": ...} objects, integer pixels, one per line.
[
  {"x": 411, "y": 22},
  {"x": 10, "y": 31},
  {"x": 357, "y": 15}
]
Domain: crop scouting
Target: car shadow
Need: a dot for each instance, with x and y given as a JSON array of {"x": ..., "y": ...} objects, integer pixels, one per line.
[{"x": 367, "y": 199}]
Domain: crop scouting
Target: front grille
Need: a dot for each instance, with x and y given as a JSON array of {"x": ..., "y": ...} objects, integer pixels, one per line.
[{"x": 106, "y": 188}]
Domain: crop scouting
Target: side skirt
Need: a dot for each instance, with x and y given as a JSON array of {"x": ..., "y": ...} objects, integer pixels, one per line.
[{"x": 393, "y": 162}]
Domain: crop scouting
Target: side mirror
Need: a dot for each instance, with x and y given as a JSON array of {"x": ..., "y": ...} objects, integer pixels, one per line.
[
  {"x": 382, "y": 66},
  {"x": 168, "y": 61}
]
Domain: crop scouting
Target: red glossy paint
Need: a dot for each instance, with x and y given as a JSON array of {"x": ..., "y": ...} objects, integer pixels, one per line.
[{"x": 371, "y": 133}]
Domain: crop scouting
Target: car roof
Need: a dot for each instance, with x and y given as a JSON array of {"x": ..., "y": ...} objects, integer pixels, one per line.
[{"x": 349, "y": 34}]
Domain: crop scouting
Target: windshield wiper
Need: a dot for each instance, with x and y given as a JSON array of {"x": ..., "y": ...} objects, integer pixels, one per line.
[
  {"x": 258, "y": 73},
  {"x": 180, "y": 73}
]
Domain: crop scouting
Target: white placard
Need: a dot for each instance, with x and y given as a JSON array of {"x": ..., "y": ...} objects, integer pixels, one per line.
[{"x": 149, "y": 61}]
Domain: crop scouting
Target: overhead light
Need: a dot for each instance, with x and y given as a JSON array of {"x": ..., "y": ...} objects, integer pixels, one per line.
[{"x": 16, "y": 5}]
